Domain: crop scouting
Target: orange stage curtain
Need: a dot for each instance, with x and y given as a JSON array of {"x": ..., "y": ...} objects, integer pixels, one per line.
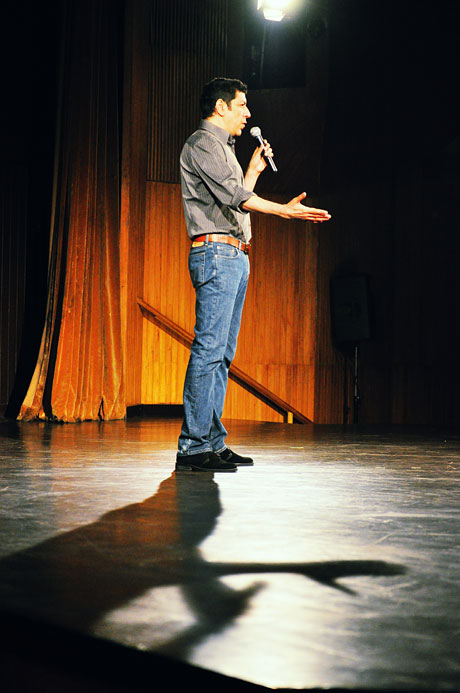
[{"x": 79, "y": 372}]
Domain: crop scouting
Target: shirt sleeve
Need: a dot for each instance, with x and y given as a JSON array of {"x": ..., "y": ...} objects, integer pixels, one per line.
[{"x": 207, "y": 158}]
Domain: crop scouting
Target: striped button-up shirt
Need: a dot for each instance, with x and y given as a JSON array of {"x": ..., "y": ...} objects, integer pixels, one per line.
[{"x": 213, "y": 184}]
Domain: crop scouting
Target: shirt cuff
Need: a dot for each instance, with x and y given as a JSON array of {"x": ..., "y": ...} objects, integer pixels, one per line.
[{"x": 239, "y": 198}]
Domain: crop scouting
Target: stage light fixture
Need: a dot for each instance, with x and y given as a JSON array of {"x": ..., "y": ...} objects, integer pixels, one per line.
[{"x": 274, "y": 10}]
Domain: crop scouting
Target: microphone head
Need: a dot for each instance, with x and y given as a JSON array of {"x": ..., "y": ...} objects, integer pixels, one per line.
[{"x": 255, "y": 131}]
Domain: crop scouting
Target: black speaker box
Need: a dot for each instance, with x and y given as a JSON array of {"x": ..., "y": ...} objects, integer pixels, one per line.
[{"x": 350, "y": 309}]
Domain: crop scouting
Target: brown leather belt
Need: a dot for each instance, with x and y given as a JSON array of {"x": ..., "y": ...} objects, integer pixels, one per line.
[{"x": 220, "y": 238}]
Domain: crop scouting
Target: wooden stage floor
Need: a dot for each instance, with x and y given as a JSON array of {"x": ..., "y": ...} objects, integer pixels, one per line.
[{"x": 333, "y": 563}]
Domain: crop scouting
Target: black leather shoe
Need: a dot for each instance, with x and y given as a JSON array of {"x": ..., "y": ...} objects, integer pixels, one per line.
[
  {"x": 229, "y": 456},
  {"x": 204, "y": 462}
]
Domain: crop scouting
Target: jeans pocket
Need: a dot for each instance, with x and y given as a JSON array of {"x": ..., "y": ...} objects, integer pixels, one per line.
[
  {"x": 196, "y": 266},
  {"x": 226, "y": 251}
]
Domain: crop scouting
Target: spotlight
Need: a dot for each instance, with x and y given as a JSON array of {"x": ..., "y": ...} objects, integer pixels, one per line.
[{"x": 274, "y": 10}]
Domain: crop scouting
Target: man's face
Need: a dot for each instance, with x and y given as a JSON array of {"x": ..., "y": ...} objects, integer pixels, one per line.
[{"x": 236, "y": 114}]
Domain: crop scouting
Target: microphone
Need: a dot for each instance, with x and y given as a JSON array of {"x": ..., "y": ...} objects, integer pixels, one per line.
[{"x": 257, "y": 133}]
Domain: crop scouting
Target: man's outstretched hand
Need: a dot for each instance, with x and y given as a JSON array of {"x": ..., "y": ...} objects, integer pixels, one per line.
[
  {"x": 294, "y": 209},
  {"x": 291, "y": 210}
]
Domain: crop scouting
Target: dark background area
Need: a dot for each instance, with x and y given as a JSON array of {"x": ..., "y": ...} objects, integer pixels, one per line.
[{"x": 392, "y": 96}]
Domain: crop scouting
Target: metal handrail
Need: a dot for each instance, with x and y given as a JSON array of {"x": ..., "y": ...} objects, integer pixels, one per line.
[{"x": 289, "y": 413}]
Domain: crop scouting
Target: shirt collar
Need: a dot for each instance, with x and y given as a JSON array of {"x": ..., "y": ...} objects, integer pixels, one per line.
[{"x": 220, "y": 133}]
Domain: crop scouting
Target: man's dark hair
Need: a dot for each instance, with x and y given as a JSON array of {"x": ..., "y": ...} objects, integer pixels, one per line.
[{"x": 219, "y": 88}]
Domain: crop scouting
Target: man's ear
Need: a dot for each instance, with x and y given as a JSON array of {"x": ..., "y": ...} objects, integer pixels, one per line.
[{"x": 220, "y": 107}]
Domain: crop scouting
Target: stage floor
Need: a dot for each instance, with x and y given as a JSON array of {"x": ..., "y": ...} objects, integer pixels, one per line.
[{"x": 334, "y": 562}]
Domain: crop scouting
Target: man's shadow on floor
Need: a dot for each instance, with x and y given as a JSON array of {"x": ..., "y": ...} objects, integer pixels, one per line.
[{"x": 78, "y": 577}]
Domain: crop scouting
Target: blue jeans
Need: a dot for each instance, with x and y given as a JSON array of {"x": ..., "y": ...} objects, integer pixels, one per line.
[{"x": 219, "y": 274}]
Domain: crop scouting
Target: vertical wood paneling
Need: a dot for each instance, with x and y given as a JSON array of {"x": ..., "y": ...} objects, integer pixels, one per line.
[
  {"x": 188, "y": 47},
  {"x": 167, "y": 287},
  {"x": 276, "y": 345}
]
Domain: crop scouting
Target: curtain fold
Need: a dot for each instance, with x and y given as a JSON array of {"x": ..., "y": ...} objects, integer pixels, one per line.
[{"x": 79, "y": 371}]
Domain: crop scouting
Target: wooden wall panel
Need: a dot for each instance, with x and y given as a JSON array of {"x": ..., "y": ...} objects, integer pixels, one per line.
[
  {"x": 167, "y": 288},
  {"x": 277, "y": 340},
  {"x": 277, "y": 343}
]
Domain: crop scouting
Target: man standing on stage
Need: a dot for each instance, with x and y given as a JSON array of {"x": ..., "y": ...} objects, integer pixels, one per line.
[{"x": 217, "y": 198}]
